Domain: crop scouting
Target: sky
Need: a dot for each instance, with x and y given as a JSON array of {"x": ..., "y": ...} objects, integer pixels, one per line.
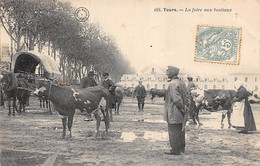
[{"x": 148, "y": 38}]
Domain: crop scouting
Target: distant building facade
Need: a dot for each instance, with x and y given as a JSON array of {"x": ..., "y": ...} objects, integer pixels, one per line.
[
  {"x": 154, "y": 77},
  {"x": 5, "y": 57}
]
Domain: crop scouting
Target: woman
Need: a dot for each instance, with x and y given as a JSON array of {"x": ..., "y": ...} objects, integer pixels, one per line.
[{"x": 245, "y": 108}]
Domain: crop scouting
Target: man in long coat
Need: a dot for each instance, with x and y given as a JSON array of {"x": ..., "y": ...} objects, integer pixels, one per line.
[
  {"x": 88, "y": 81},
  {"x": 140, "y": 94},
  {"x": 193, "y": 110},
  {"x": 191, "y": 84},
  {"x": 109, "y": 84},
  {"x": 85, "y": 82},
  {"x": 174, "y": 112}
]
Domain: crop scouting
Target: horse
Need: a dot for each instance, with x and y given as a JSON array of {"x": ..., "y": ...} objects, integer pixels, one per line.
[
  {"x": 66, "y": 99},
  {"x": 9, "y": 85}
]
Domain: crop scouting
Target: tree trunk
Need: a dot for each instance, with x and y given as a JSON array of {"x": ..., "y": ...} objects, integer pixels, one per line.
[
  {"x": 54, "y": 51},
  {"x": 69, "y": 72},
  {"x": 12, "y": 52},
  {"x": 49, "y": 47}
]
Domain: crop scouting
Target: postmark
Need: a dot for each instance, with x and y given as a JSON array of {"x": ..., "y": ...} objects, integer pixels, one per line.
[
  {"x": 81, "y": 14},
  {"x": 218, "y": 45}
]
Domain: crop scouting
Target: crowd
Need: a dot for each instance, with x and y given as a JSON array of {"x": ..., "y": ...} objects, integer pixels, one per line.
[{"x": 178, "y": 105}]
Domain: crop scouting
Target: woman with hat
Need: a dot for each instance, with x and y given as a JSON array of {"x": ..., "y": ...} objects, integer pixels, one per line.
[{"x": 243, "y": 110}]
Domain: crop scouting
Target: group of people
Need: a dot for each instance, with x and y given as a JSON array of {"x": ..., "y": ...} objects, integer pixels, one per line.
[
  {"x": 177, "y": 98},
  {"x": 178, "y": 102}
]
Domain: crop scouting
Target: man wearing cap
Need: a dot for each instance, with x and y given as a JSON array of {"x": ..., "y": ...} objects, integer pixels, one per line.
[
  {"x": 109, "y": 84},
  {"x": 191, "y": 84},
  {"x": 140, "y": 94},
  {"x": 174, "y": 112},
  {"x": 193, "y": 111},
  {"x": 85, "y": 82},
  {"x": 88, "y": 81}
]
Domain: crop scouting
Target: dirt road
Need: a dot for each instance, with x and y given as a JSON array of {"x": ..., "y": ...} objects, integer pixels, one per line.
[{"x": 134, "y": 139}]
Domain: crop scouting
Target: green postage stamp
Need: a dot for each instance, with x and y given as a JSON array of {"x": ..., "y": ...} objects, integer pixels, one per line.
[{"x": 218, "y": 45}]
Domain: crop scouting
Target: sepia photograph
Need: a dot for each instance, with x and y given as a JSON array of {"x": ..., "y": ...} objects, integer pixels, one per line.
[{"x": 138, "y": 82}]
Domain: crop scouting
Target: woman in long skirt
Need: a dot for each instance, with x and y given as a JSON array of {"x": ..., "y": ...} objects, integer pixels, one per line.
[{"x": 245, "y": 108}]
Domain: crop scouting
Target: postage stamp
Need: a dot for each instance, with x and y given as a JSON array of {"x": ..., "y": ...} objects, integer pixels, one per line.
[{"x": 218, "y": 45}]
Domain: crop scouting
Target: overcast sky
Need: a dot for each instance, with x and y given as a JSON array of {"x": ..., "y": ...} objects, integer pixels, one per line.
[{"x": 149, "y": 38}]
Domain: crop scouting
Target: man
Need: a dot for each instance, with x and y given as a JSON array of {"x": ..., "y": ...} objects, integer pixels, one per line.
[
  {"x": 109, "y": 84},
  {"x": 191, "y": 84},
  {"x": 88, "y": 81},
  {"x": 248, "y": 122},
  {"x": 140, "y": 94},
  {"x": 174, "y": 112},
  {"x": 193, "y": 110}
]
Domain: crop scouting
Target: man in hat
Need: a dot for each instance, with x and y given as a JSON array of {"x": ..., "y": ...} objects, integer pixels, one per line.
[
  {"x": 140, "y": 94},
  {"x": 109, "y": 84},
  {"x": 193, "y": 111},
  {"x": 174, "y": 112},
  {"x": 88, "y": 81},
  {"x": 85, "y": 82},
  {"x": 191, "y": 84}
]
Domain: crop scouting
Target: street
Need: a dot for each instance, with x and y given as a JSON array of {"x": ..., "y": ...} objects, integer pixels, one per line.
[{"x": 134, "y": 139}]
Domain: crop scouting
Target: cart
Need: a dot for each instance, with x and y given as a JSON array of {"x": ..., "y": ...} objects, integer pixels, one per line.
[{"x": 29, "y": 67}]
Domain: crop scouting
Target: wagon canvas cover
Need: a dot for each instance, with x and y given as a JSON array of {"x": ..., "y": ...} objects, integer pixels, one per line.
[{"x": 27, "y": 61}]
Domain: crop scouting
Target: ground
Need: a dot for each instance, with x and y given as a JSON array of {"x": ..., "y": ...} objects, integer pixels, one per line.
[{"x": 134, "y": 139}]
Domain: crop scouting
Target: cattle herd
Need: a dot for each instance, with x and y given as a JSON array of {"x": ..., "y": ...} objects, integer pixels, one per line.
[{"x": 66, "y": 99}]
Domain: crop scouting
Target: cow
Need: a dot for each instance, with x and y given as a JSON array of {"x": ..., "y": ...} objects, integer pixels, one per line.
[
  {"x": 157, "y": 92},
  {"x": 118, "y": 99},
  {"x": 129, "y": 91},
  {"x": 66, "y": 99},
  {"x": 43, "y": 102},
  {"x": 213, "y": 98}
]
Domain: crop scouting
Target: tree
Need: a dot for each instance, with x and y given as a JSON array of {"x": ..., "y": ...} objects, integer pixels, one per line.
[{"x": 81, "y": 46}]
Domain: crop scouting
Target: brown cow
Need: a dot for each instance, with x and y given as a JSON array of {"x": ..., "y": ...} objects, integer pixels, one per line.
[
  {"x": 213, "y": 98},
  {"x": 66, "y": 99},
  {"x": 119, "y": 98},
  {"x": 157, "y": 92}
]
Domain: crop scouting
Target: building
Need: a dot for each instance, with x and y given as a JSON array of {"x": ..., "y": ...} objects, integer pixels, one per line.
[
  {"x": 5, "y": 57},
  {"x": 155, "y": 77}
]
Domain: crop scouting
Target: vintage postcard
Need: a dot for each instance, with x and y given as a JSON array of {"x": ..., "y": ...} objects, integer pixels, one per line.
[{"x": 137, "y": 82}]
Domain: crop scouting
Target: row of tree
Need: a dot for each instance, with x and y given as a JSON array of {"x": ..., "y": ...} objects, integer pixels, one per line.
[{"x": 37, "y": 24}]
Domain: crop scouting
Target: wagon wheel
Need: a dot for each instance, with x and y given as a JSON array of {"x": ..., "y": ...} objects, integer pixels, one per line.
[{"x": 51, "y": 108}]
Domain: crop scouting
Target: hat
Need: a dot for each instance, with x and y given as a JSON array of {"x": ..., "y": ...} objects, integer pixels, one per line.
[
  {"x": 105, "y": 74},
  {"x": 173, "y": 70},
  {"x": 91, "y": 73},
  {"x": 190, "y": 78}
]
